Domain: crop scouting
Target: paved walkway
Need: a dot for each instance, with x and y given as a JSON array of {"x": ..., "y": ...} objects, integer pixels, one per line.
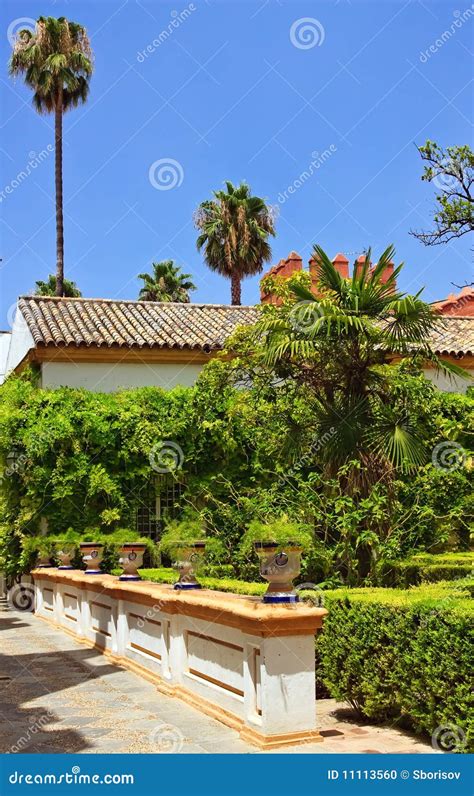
[{"x": 58, "y": 696}]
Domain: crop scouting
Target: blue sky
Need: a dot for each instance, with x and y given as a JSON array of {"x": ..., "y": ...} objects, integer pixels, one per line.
[{"x": 236, "y": 92}]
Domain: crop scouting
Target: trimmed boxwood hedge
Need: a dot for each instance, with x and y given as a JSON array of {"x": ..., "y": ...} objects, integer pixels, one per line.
[
  {"x": 428, "y": 568},
  {"x": 402, "y": 655},
  {"x": 405, "y": 656}
]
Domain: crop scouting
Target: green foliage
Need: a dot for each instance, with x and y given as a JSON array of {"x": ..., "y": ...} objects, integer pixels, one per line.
[
  {"x": 281, "y": 531},
  {"x": 49, "y": 288},
  {"x": 234, "y": 230},
  {"x": 404, "y": 656},
  {"x": 166, "y": 575},
  {"x": 452, "y": 171},
  {"x": 428, "y": 568},
  {"x": 56, "y": 61},
  {"x": 82, "y": 461},
  {"x": 166, "y": 283}
]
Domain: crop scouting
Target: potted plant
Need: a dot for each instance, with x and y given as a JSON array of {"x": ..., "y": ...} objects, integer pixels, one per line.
[
  {"x": 279, "y": 546},
  {"x": 44, "y": 551},
  {"x": 66, "y": 546},
  {"x": 182, "y": 542},
  {"x": 92, "y": 551},
  {"x": 37, "y": 551}
]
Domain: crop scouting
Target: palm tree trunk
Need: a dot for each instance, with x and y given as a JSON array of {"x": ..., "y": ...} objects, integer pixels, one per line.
[
  {"x": 235, "y": 289},
  {"x": 58, "y": 136}
]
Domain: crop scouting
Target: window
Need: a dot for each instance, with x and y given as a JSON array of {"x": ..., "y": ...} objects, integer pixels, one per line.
[{"x": 159, "y": 499}]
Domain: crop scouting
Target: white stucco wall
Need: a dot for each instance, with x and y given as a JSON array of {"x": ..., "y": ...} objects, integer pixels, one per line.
[
  {"x": 104, "y": 377},
  {"x": 452, "y": 384},
  {"x": 5, "y": 338},
  {"x": 20, "y": 343}
]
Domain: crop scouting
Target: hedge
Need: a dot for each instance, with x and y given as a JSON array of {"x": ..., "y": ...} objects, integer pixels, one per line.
[
  {"x": 402, "y": 655},
  {"x": 166, "y": 575},
  {"x": 429, "y": 568}
]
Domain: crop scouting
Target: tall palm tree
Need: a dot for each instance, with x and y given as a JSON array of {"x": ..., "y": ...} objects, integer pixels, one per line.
[
  {"x": 336, "y": 344},
  {"x": 235, "y": 227},
  {"x": 167, "y": 283},
  {"x": 56, "y": 61},
  {"x": 48, "y": 288}
]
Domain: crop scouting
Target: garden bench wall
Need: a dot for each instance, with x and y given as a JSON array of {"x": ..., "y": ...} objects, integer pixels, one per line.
[{"x": 246, "y": 664}]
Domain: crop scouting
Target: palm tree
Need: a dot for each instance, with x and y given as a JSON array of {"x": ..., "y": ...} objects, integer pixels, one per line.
[
  {"x": 234, "y": 234},
  {"x": 56, "y": 61},
  {"x": 167, "y": 283},
  {"x": 48, "y": 288},
  {"x": 337, "y": 344}
]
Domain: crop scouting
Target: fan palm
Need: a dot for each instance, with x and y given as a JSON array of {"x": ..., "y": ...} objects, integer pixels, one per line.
[
  {"x": 56, "y": 62},
  {"x": 235, "y": 227},
  {"x": 48, "y": 288},
  {"x": 166, "y": 283},
  {"x": 336, "y": 343}
]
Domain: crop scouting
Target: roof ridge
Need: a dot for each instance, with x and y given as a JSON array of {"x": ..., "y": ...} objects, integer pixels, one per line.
[{"x": 136, "y": 301}]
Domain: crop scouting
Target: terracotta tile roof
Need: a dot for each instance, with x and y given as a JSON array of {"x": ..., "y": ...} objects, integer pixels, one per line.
[
  {"x": 147, "y": 324},
  {"x": 460, "y": 304},
  {"x": 455, "y": 336},
  {"x": 143, "y": 324}
]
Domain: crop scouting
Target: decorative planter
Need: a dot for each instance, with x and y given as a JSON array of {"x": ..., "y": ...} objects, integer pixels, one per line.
[
  {"x": 279, "y": 564},
  {"x": 92, "y": 555},
  {"x": 131, "y": 559},
  {"x": 189, "y": 558},
  {"x": 43, "y": 560},
  {"x": 65, "y": 553}
]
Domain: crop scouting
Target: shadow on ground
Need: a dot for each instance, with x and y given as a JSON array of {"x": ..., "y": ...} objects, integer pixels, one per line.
[{"x": 39, "y": 676}]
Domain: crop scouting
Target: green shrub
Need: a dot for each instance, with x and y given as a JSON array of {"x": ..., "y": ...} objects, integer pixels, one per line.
[
  {"x": 402, "y": 655},
  {"x": 166, "y": 575},
  {"x": 429, "y": 568}
]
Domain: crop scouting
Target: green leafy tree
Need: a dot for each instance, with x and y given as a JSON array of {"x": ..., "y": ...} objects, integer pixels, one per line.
[
  {"x": 56, "y": 62},
  {"x": 166, "y": 283},
  {"x": 234, "y": 230},
  {"x": 49, "y": 288},
  {"x": 337, "y": 344},
  {"x": 452, "y": 172}
]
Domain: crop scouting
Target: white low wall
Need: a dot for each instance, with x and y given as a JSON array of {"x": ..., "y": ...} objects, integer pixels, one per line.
[{"x": 247, "y": 664}]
